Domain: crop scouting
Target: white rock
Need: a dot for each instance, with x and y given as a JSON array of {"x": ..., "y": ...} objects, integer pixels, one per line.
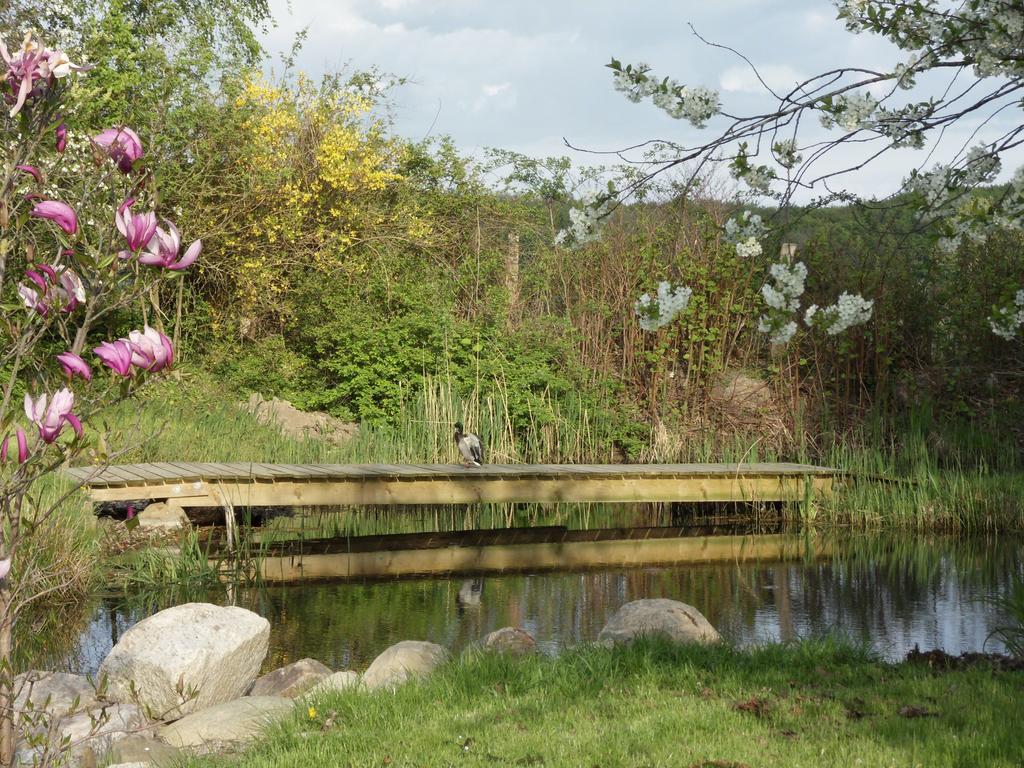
[
  {"x": 339, "y": 681},
  {"x": 678, "y": 621},
  {"x": 402, "y": 661},
  {"x": 231, "y": 723},
  {"x": 187, "y": 658}
]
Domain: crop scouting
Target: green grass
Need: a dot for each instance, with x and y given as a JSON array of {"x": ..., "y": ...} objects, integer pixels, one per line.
[{"x": 658, "y": 704}]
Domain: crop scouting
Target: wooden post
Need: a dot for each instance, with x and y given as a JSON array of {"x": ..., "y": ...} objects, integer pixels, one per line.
[{"x": 512, "y": 277}]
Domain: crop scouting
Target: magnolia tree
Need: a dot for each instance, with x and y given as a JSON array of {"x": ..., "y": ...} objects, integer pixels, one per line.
[
  {"x": 962, "y": 60},
  {"x": 79, "y": 240}
]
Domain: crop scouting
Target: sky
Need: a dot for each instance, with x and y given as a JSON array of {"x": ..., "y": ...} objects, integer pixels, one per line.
[{"x": 529, "y": 75}]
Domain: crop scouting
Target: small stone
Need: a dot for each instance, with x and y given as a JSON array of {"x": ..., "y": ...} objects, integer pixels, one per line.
[
  {"x": 671, "y": 618},
  {"x": 291, "y": 680},
  {"x": 402, "y": 661},
  {"x": 510, "y": 640},
  {"x": 339, "y": 681},
  {"x": 227, "y": 725},
  {"x": 162, "y": 515}
]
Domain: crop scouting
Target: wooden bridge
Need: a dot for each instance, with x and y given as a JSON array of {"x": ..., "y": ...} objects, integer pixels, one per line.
[{"x": 251, "y": 484}]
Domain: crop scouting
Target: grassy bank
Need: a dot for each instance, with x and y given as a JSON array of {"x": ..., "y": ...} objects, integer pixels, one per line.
[{"x": 811, "y": 704}]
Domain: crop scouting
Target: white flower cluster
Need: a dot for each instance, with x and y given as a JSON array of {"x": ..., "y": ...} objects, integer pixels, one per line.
[
  {"x": 758, "y": 178},
  {"x": 906, "y": 73},
  {"x": 584, "y": 222},
  {"x": 849, "y": 310},
  {"x": 904, "y": 126},
  {"x": 748, "y": 249},
  {"x": 634, "y": 83},
  {"x": 748, "y": 226},
  {"x": 696, "y": 105},
  {"x": 788, "y": 288},
  {"x": 783, "y": 299},
  {"x": 850, "y": 11},
  {"x": 781, "y": 332},
  {"x": 786, "y": 154},
  {"x": 1008, "y": 320},
  {"x": 851, "y": 111},
  {"x": 986, "y": 33},
  {"x": 654, "y": 312},
  {"x": 948, "y": 198}
]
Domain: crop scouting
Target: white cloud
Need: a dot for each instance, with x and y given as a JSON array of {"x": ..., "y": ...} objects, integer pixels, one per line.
[
  {"x": 741, "y": 79},
  {"x": 494, "y": 90}
]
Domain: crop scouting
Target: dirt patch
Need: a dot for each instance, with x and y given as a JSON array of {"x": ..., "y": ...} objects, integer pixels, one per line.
[
  {"x": 940, "y": 660},
  {"x": 911, "y": 711},
  {"x": 300, "y": 424},
  {"x": 754, "y": 706}
]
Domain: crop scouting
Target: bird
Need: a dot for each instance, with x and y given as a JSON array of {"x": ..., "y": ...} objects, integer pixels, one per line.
[{"x": 469, "y": 446}]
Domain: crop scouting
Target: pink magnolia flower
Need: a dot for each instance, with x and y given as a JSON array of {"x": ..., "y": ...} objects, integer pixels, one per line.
[
  {"x": 71, "y": 291},
  {"x": 19, "y": 434},
  {"x": 122, "y": 144},
  {"x": 116, "y": 355},
  {"x": 137, "y": 228},
  {"x": 32, "y": 69},
  {"x": 73, "y": 364},
  {"x": 61, "y": 138},
  {"x": 151, "y": 350},
  {"x": 64, "y": 290},
  {"x": 60, "y": 213},
  {"x": 32, "y": 299},
  {"x": 32, "y": 171},
  {"x": 51, "y": 419},
  {"x": 162, "y": 250}
]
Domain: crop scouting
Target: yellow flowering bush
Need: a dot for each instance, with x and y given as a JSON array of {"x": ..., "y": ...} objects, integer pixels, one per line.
[{"x": 309, "y": 173}]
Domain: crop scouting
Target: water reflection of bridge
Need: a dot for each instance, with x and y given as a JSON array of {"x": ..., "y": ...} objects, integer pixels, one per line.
[
  {"x": 188, "y": 484},
  {"x": 520, "y": 550}
]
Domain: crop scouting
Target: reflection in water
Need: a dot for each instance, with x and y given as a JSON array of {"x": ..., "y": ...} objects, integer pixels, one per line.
[{"x": 888, "y": 593}]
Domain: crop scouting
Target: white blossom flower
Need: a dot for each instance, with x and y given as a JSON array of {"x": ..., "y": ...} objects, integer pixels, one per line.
[
  {"x": 658, "y": 311},
  {"x": 745, "y": 228},
  {"x": 1007, "y": 321},
  {"x": 584, "y": 223},
  {"x": 786, "y": 154},
  {"x": 748, "y": 249}
]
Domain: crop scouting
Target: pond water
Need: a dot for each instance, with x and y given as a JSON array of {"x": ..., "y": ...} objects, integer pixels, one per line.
[{"x": 890, "y": 592}]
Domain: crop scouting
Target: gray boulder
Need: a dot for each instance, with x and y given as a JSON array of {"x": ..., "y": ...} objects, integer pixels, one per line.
[
  {"x": 677, "y": 621},
  {"x": 227, "y": 725},
  {"x": 187, "y": 658},
  {"x": 143, "y": 748},
  {"x": 510, "y": 640},
  {"x": 60, "y": 694},
  {"x": 98, "y": 730},
  {"x": 339, "y": 681},
  {"x": 291, "y": 680},
  {"x": 402, "y": 661}
]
